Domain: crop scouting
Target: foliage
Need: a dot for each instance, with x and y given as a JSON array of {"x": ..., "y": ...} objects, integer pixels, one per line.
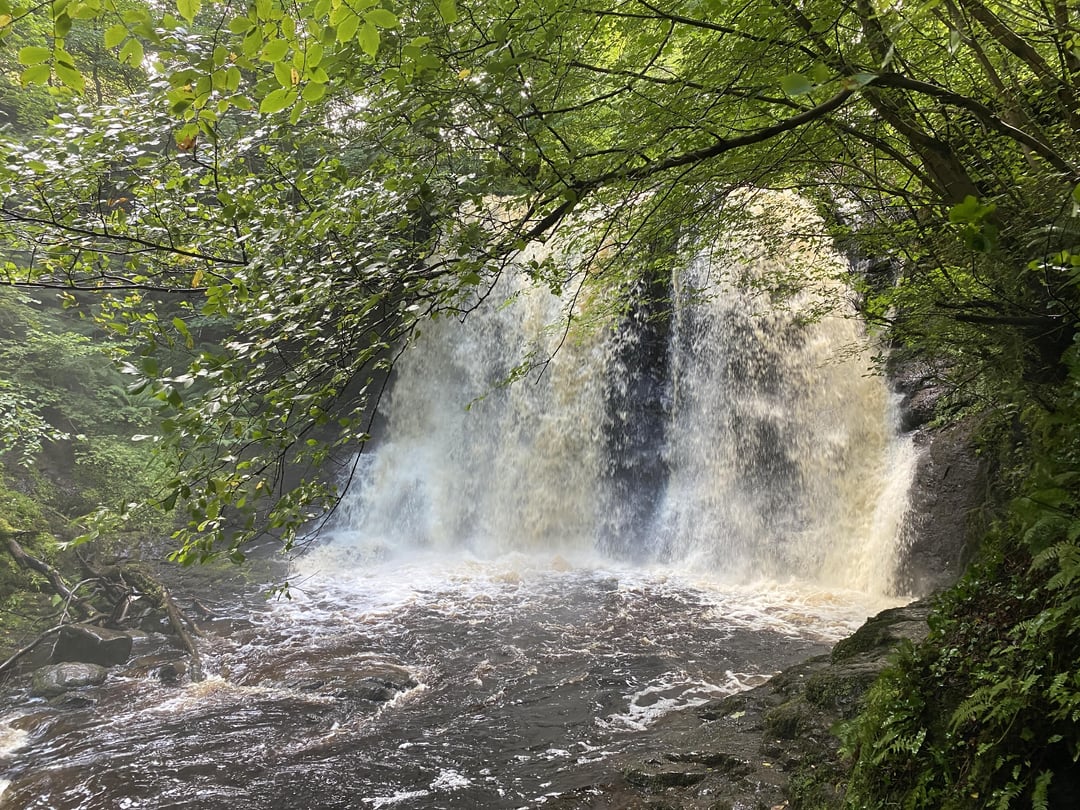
[
  {"x": 309, "y": 181},
  {"x": 25, "y": 108},
  {"x": 71, "y": 417},
  {"x": 21, "y": 599},
  {"x": 985, "y": 713}
]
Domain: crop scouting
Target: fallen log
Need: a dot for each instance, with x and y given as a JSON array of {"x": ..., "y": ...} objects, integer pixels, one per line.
[
  {"x": 154, "y": 590},
  {"x": 26, "y": 560},
  {"x": 128, "y": 578}
]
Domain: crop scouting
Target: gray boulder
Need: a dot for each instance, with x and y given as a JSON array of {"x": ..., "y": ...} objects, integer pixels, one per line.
[
  {"x": 92, "y": 645},
  {"x": 55, "y": 679}
]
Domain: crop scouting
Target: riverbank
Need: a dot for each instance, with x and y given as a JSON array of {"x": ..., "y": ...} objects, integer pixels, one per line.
[{"x": 767, "y": 748}]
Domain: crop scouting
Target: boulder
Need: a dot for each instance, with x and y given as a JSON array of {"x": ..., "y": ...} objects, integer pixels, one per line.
[
  {"x": 55, "y": 679},
  {"x": 92, "y": 645},
  {"x": 370, "y": 683}
]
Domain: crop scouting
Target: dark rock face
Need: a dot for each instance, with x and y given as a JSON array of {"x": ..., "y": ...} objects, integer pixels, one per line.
[
  {"x": 638, "y": 412},
  {"x": 947, "y": 495},
  {"x": 949, "y": 488},
  {"x": 92, "y": 645},
  {"x": 55, "y": 679},
  {"x": 770, "y": 747},
  {"x": 920, "y": 389}
]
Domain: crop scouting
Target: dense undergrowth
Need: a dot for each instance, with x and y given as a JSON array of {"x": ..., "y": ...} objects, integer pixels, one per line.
[
  {"x": 66, "y": 423},
  {"x": 985, "y": 712}
]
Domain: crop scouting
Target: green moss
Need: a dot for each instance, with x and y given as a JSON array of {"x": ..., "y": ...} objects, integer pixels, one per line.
[
  {"x": 818, "y": 785},
  {"x": 788, "y": 720}
]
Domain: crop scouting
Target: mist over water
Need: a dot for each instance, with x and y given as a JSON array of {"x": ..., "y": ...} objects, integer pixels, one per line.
[{"x": 773, "y": 449}]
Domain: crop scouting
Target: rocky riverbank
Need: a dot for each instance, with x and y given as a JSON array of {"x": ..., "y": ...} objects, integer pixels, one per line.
[{"x": 768, "y": 748}]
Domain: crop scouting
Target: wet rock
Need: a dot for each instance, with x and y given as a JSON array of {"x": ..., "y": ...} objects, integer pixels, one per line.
[
  {"x": 373, "y": 683},
  {"x": 884, "y": 631},
  {"x": 376, "y": 690},
  {"x": 171, "y": 672},
  {"x": 662, "y": 776},
  {"x": 771, "y": 746},
  {"x": 921, "y": 392},
  {"x": 947, "y": 493},
  {"x": 92, "y": 645},
  {"x": 714, "y": 760},
  {"x": 949, "y": 485},
  {"x": 56, "y": 679}
]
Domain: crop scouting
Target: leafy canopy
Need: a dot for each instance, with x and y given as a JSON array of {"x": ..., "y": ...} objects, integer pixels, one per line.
[{"x": 296, "y": 187}]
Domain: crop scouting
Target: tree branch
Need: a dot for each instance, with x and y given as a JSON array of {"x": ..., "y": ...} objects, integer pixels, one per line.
[
  {"x": 985, "y": 115},
  {"x": 11, "y": 215}
]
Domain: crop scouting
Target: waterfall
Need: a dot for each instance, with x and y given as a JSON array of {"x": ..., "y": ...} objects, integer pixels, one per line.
[
  {"x": 765, "y": 449},
  {"x": 473, "y": 460},
  {"x": 783, "y": 450}
]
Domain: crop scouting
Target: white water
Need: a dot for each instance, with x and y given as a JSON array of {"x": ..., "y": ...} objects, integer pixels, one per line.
[{"x": 782, "y": 462}]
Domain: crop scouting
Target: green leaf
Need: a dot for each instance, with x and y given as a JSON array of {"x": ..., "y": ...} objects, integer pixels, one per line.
[
  {"x": 382, "y": 18},
  {"x": 61, "y": 26},
  {"x": 970, "y": 210},
  {"x": 135, "y": 16},
  {"x": 821, "y": 73},
  {"x": 347, "y": 29},
  {"x": 858, "y": 80},
  {"x": 340, "y": 12},
  {"x": 188, "y": 8},
  {"x": 70, "y": 77},
  {"x": 34, "y": 55},
  {"x": 36, "y": 74},
  {"x": 253, "y": 40},
  {"x": 297, "y": 111},
  {"x": 277, "y": 100},
  {"x": 170, "y": 501},
  {"x": 448, "y": 11},
  {"x": 132, "y": 53},
  {"x": 84, "y": 11},
  {"x": 283, "y": 74},
  {"x": 114, "y": 35},
  {"x": 274, "y": 50},
  {"x": 795, "y": 84},
  {"x": 313, "y": 91},
  {"x": 369, "y": 39}
]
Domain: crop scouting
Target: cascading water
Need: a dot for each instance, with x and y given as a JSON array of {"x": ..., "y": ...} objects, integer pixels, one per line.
[
  {"x": 775, "y": 455},
  {"x": 783, "y": 453},
  {"x": 473, "y": 462},
  {"x": 527, "y": 576}
]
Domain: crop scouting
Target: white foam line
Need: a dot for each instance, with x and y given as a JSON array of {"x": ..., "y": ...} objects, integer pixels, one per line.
[
  {"x": 11, "y": 739},
  {"x": 401, "y": 796}
]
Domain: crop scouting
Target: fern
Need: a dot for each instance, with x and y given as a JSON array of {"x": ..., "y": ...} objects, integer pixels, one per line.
[{"x": 1039, "y": 799}]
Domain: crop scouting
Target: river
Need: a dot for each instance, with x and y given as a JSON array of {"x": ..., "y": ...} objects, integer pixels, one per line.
[{"x": 523, "y": 578}]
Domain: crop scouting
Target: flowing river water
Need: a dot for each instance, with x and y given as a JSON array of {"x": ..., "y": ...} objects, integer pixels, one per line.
[{"x": 523, "y": 578}]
